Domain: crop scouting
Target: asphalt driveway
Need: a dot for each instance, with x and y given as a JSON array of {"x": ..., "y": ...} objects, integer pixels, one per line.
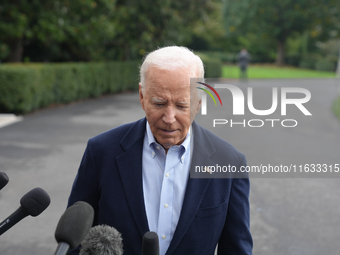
[{"x": 288, "y": 215}]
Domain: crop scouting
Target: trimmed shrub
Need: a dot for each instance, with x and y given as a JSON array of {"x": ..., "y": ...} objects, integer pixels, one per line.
[
  {"x": 293, "y": 60},
  {"x": 308, "y": 61},
  {"x": 27, "y": 87},
  {"x": 325, "y": 64},
  {"x": 212, "y": 66},
  {"x": 227, "y": 57}
]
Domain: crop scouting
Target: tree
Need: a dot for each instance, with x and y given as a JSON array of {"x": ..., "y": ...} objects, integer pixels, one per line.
[
  {"x": 84, "y": 30},
  {"x": 77, "y": 26},
  {"x": 278, "y": 20},
  {"x": 145, "y": 25}
]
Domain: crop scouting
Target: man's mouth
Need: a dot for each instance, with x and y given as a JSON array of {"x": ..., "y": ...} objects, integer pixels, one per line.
[{"x": 168, "y": 131}]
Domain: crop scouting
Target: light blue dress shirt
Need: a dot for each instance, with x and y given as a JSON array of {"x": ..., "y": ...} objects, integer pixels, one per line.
[{"x": 165, "y": 179}]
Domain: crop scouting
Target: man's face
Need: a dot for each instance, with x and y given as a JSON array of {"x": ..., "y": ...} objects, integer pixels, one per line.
[{"x": 166, "y": 102}]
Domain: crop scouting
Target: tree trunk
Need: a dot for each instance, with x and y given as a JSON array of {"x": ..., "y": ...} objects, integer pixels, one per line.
[
  {"x": 16, "y": 50},
  {"x": 280, "y": 56}
]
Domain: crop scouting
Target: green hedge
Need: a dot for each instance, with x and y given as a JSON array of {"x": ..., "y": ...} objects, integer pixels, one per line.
[
  {"x": 27, "y": 87},
  {"x": 212, "y": 66},
  {"x": 318, "y": 62},
  {"x": 309, "y": 61},
  {"x": 226, "y": 57},
  {"x": 325, "y": 64}
]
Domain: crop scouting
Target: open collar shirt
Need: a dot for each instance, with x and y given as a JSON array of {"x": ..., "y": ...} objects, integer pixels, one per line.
[{"x": 165, "y": 178}]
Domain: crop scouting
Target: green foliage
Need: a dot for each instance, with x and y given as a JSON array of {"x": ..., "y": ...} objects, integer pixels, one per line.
[
  {"x": 318, "y": 62},
  {"x": 212, "y": 66},
  {"x": 79, "y": 27},
  {"x": 308, "y": 61},
  {"x": 208, "y": 31},
  {"x": 294, "y": 60},
  {"x": 142, "y": 26},
  {"x": 330, "y": 47},
  {"x": 325, "y": 64},
  {"x": 85, "y": 30},
  {"x": 280, "y": 19},
  {"x": 13, "y": 94},
  {"x": 228, "y": 57},
  {"x": 336, "y": 107},
  {"x": 27, "y": 87},
  {"x": 275, "y": 21}
]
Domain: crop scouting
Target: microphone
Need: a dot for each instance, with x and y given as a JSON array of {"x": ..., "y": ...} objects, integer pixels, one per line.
[
  {"x": 73, "y": 226},
  {"x": 33, "y": 203},
  {"x": 150, "y": 244},
  {"x": 103, "y": 240},
  {"x": 3, "y": 180}
]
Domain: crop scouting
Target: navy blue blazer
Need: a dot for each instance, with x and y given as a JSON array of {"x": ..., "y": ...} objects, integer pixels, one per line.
[{"x": 215, "y": 211}]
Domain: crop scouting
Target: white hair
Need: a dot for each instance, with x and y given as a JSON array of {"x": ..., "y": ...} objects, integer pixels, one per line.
[{"x": 172, "y": 58}]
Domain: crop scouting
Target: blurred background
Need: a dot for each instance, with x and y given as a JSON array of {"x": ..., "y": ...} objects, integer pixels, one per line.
[
  {"x": 299, "y": 33},
  {"x": 74, "y": 41},
  {"x": 69, "y": 71}
]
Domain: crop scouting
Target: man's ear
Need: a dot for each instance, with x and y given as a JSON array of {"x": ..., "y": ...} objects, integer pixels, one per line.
[
  {"x": 141, "y": 96},
  {"x": 198, "y": 106}
]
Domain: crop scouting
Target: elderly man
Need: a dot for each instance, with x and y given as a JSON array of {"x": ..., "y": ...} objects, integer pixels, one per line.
[{"x": 136, "y": 176}]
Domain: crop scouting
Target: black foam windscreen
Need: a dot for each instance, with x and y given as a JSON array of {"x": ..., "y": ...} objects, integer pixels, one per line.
[
  {"x": 74, "y": 224},
  {"x": 150, "y": 244},
  {"x": 3, "y": 180},
  {"x": 103, "y": 240},
  {"x": 35, "y": 201}
]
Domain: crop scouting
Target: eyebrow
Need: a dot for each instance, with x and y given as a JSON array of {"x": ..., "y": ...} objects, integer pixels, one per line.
[{"x": 157, "y": 100}]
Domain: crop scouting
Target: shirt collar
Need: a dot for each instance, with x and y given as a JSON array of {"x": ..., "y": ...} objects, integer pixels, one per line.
[{"x": 182, "y": 148}]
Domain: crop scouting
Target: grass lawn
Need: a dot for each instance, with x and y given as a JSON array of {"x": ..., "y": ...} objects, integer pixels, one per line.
[
  {"x": 336, "y": 107},
  {"x": 272, "y": 71}
]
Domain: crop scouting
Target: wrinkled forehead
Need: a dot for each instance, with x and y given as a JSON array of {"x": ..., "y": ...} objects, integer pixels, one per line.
[
  {"x": 177, "y": 80},
  {"x": 161, "y": 76}
]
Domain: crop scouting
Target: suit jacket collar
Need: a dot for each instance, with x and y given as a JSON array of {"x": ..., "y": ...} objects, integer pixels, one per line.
[
  {"x": 130, "y": 169},
  {"x": 196, "y": 188}
]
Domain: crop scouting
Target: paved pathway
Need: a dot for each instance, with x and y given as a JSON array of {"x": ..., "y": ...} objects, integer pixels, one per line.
[{"x": 288, "y": 215}]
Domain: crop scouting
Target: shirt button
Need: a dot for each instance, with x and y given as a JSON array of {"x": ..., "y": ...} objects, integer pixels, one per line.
[
  {"x": 166, "y": 206},
  {"x": 163, "y": 236},
  {"x": 158, "y": 147},
  {"x": 167, "y": 175},
  {"x": 153, "y": 153}
]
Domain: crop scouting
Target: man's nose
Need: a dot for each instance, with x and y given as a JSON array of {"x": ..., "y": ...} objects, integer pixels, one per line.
[{"x": 169, "y": 115}]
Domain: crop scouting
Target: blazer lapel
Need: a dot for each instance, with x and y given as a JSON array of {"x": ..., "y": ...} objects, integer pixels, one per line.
[
  {"x": 130, "y": 169},
  {"x": 196, "y": 188}
]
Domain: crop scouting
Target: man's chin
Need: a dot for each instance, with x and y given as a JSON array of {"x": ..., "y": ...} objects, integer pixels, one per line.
[
  {"x": 167, "y": 145},
  {"x": 167, "y": 142}
]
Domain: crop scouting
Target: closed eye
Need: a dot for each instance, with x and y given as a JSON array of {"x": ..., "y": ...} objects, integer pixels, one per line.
[{"x": 182, "y": 106}]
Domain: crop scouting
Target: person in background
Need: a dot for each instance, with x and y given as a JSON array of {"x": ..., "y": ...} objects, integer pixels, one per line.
[{"x": 243, "y": 59}]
